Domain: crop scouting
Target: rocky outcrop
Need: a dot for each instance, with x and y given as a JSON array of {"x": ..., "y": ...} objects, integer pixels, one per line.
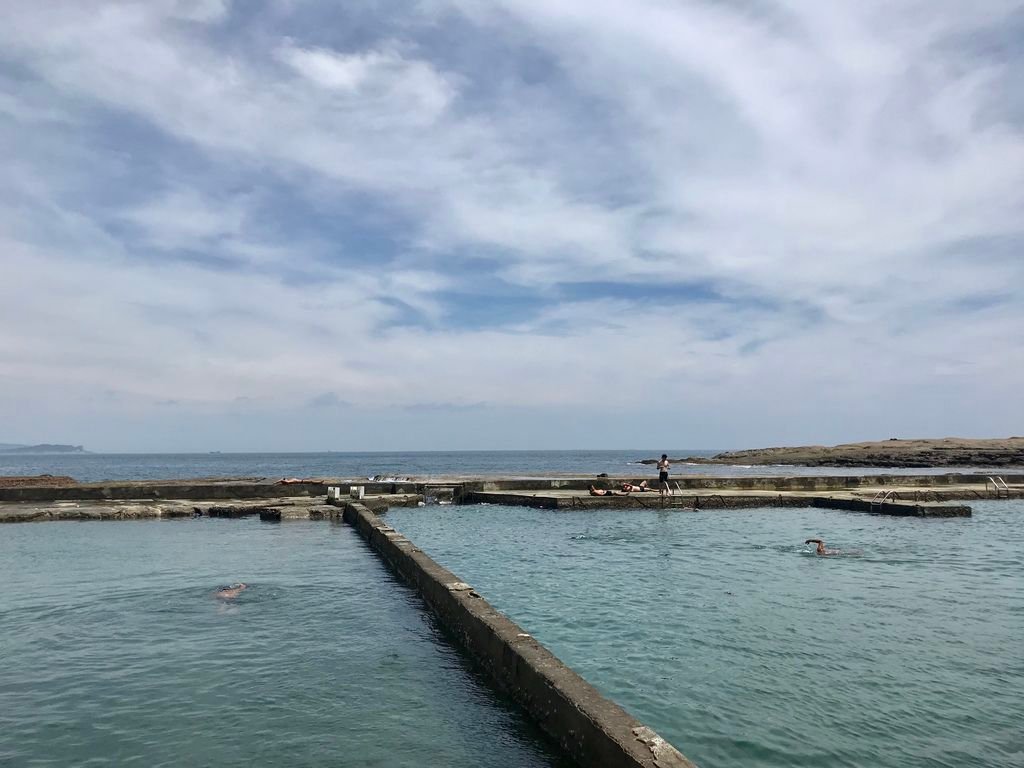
[
  {"x": 44, "y": 448},
  {"x": 945, "y": 452}
]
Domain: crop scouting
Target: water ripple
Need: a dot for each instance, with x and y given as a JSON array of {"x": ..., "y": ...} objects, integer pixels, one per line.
[
  {"x": 729, "y": 637},
  {"x": 115, "y": 652}
]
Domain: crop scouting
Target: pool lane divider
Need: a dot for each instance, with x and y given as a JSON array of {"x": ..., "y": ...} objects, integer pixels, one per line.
[{"x": 590, "y": 728}]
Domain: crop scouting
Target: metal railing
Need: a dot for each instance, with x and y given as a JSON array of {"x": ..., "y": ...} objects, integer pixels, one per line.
[
  {"x": 882, "y": 497},
  {"x": 999, "y": 487}
]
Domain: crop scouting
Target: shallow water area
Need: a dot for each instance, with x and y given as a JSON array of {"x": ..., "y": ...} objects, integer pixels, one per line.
[
  {"x": 728, "y": 635},
  {"x": 116, "y": 651}
]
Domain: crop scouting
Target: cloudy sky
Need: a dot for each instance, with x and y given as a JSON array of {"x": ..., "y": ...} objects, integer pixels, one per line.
[{"x": 305, "y": 225}]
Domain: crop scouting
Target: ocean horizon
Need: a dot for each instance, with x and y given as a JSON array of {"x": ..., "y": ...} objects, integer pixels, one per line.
[{"x": 96, "y": 467}]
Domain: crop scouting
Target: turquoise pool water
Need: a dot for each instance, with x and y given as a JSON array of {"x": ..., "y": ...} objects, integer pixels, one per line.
[
  {"x": 113, "y": 652},
  {"x": 725, "y": 633}
]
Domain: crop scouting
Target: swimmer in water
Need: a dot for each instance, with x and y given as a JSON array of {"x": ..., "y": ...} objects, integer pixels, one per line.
[
  {"x": 230, "y": 592},
  {"x": 821, "y": 547}
]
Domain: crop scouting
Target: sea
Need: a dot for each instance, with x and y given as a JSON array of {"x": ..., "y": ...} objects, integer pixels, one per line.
[
  {"x": 720, "y": 629},
  {"x": 95, "y": 467}
]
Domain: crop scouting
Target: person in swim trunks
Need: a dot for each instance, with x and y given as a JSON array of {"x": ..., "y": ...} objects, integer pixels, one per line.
[{"x": 663, "y": 466}]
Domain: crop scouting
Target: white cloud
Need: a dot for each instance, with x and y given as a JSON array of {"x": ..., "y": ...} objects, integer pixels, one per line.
[
  {"x": 333, "y": 70},
  {"x": 813, "y": 164},
  {"x": 205, "y": 11},
  {"x": 183, "y": 218},
  {"x": 377, "y": 78}
]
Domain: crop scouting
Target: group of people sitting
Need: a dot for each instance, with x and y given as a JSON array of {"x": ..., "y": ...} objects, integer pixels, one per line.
[{"x": 624, "y": 490}]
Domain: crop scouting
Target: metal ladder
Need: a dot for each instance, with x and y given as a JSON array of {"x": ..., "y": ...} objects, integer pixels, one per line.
[
  {"x": 882, "y": 497},
  {"x": 999, "y": 487}
]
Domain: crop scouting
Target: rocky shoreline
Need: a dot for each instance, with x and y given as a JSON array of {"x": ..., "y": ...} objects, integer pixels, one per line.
[{"x": 944, "y": 452}]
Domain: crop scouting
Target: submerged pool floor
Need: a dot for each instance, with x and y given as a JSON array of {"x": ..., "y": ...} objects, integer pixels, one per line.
[
  {"x": 731, "y": 638},
  {"x": 114, "y": 652}
]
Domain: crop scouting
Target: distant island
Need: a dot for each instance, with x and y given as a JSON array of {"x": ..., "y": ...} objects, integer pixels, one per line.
[
  {"x": 942, "y": 452},
  {"x": 41, "y": 448}
]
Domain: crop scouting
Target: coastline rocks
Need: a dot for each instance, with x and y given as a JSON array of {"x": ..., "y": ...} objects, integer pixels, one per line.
[{"x": 945, "y": 452}]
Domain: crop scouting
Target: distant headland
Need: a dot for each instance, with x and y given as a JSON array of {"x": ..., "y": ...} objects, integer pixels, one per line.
[
  {"x": 942, "y": 452},
  {"x": 41, "y": 448}
]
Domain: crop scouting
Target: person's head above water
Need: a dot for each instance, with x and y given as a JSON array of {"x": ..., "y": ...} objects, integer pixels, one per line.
[
  {"x": 231, "y": 591},
  {"x": 821, "y": 545}
]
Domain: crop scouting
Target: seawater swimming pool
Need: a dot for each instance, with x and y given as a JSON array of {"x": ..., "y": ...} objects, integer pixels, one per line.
[
  {"x": 114, "y": 652},
  {"x": 728, "y": 636}
]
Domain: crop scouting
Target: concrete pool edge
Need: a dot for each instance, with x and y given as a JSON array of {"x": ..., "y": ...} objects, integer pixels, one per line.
[{"x": 590, "y": 728}]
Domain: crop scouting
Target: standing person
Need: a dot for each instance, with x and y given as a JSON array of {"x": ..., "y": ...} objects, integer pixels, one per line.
[{"x": 663, "y": 475}]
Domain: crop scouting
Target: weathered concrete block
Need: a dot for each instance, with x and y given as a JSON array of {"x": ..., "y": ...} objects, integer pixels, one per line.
[{"x": 896, "y": 509}]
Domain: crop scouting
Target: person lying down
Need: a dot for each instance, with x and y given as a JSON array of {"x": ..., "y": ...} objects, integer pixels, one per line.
[
  {"x": 624, "y": 490},
  {"x": 642, "y": 488}
]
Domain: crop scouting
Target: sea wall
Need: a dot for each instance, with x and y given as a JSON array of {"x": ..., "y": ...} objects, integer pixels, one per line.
[
  {"x": 759, "y": 483},
  {"x": 593, "y": 730},
  {"x": 32, "y": 513},
  {"x": 686, "y": 500},
  {"x": 894, "y": 508},
  {"x": 175, "y": 490},
  {"x": 459, "y": 489}
]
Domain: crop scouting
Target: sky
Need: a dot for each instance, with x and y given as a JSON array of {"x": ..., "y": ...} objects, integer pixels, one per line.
[{"x": 511, "y": 224}]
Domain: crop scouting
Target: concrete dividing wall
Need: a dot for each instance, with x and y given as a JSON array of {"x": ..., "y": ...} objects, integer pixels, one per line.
[
  {"x": 895, "y": 508},
  {"x": 761, "y": 483},
  {"x": 589, "y": 727},
  {"x": 193, "y": 490},
  {"x": 705, "y": 501},
  {"x": 514, "y": 499},
  {"x": 185, "y": 489},
  {"x": 124, "y": 491}
]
